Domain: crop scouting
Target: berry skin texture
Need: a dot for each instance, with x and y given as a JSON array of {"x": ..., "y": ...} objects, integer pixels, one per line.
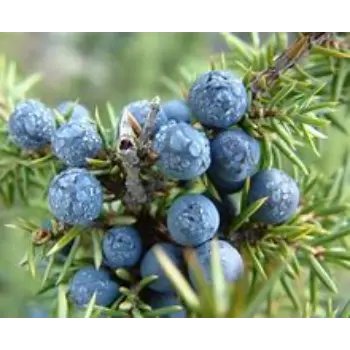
[
  {"x": 218, "y": 99},
  {"x": 192, "y": 220},
  {"x": 283, "y": 193},
  {"x": 231, "y": 261},
  {"x": 141, "y": 109},
  {"x": 88, "y": 281},
  {"x": 31, "y": 125},
  {"x": 184, "y": 152},
  {"x": 122, "y": 247},
  {"x": 177, "y": 110},
  {"x": 225, "y": 185},
  {"x": 235, "y": 156},
  {"x": 78, "y": 112},
  {"x": 151, "y": 266},
  {"x": 160, "y": 300},
  {"x": 73, "y": 142},
  {"x": 75, "y": 197},
  {"x": 227, "y": 209}
]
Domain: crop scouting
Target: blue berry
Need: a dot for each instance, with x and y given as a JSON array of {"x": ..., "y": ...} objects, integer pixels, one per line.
[
  {"x": 184, "y": 152},
  {"x": 75, "y": 197},
  {"x": 151, "y": 266},
  {"x": 227, "y": 209},
  {"x": 192, "y": 220},
  {"x": 225, "y": 185},
  {"x": 282, "y": 192},
  {"x": 37, "y": 312},
  {"x": 31, "y": 125},
  {"x": 77, "y": 112},
  {"x": 231, "y": 261},
  {"x": 88, "y": 281},
  {"x": 140, "y": 111},
  {"x": 72, "y": 143},
  {"x": 235, "y": 155},
  {"x": 122, "y": 247},
  {"x": 160, "y": 300},
  {"x": 218, "y": 99},
  {"x": 177, "y": 110}
]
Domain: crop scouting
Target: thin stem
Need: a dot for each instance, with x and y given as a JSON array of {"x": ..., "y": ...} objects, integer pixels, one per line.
[{"x": 287, "y": 60}]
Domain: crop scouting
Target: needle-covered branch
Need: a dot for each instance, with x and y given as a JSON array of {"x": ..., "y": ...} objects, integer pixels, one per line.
[{"x": 211, "y": 198}]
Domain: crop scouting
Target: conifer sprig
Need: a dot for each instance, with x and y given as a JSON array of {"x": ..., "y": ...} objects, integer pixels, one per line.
[
  {"x": 297, "y": 92},
  {"x": 288, "y": 117}
]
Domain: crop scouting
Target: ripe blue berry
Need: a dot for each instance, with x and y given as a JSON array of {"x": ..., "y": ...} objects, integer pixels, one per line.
[
  {"x": 218, "y": 99},
  {"x": 192, "y": 220},
  {"x": 225, "y": 185},
  {"x": 177, "y": 110},
  {"x": 140, "y": 111},
  {"x": 282, "y": 192},
  {"x": 88, "y": 281},
  {"x": 77, "y": 112},
  {"x": 122, "y": 247},
  {"x": 75, "y": 197},
  {"x": 151, "y": 266},
  {"x": 160, "y": 300},
  {"x": 235, "y": 155},
  {"x": 184, "y": 152},
  {"x": 73, "y": 142},
  {"x": 31, "y": 125},
  {"x": 227, "y": 209},
  {"x": 230, "y": 259},
  {"x": 37, "y": 312}
]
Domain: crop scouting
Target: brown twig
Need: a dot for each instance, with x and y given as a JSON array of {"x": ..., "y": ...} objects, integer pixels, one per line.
[
  {"x": 127, "y": 148},
  {"x": 258, "y": 113},
  {"x": 288, "y": 59},
  {"x": 149, "y": 126},
  {"x": 251, "y": 235}
]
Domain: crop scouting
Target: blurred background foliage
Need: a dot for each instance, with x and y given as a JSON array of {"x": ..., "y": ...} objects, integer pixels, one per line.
[{"x": 115, "y": 67}]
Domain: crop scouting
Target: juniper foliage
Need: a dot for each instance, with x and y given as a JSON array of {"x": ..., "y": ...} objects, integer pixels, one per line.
[{"x": 298, "y": 91}]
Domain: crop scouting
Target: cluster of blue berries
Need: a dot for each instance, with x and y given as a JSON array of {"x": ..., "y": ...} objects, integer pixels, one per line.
[
  {"x": 32, "y": 126},
  {"x": 218, "y": 100},
  {"x": 75, "y": 195},
  {"x": 123, "y": 247},
  {"x": 191, "y": 138}
]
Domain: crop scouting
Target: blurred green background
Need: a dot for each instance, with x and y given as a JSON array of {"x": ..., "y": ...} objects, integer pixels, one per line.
[{"x": 96, "y": 67}]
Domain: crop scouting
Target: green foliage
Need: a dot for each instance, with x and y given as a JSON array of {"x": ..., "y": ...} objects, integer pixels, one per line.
[{"x": 290, "y": 268}]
